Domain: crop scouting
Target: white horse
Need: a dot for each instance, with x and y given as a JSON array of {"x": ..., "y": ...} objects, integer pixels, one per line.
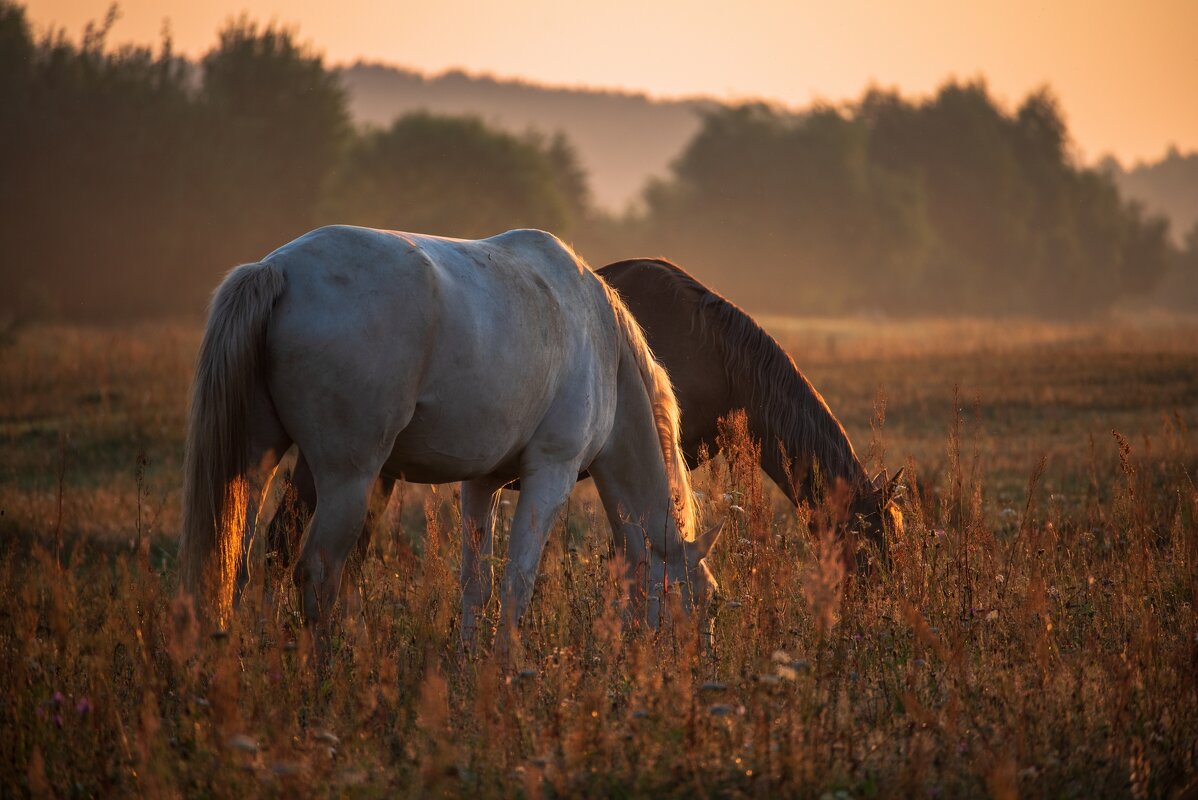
[{"x": 433, "y": 360}]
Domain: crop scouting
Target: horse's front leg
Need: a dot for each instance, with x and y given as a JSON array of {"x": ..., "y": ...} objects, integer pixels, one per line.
[
  {"x": 479, "y": 501},
  {"x": 631, "y": 551},
  {"x": 542, "y": 494}
]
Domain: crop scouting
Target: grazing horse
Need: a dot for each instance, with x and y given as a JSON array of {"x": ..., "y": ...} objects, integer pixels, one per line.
[
  {"x": 720, "y": 360},
  {"x": 432, "y": 360}
]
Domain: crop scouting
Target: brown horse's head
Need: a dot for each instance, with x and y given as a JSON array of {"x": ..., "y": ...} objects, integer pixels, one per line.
[{"x": 875, "y": 515}]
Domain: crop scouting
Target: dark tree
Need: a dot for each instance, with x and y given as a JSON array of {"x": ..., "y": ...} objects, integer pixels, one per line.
[
  {"x": 278, "y": 124},
  {"x": 457, "y": 177}
]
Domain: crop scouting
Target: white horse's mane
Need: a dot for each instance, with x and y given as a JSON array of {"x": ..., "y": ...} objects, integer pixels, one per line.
[{"x": 666, "y": 413}]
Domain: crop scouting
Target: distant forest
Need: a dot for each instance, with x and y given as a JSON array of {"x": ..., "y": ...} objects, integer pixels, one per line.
[
  {"x": 133, "y": 179},
  {"x": 1168, "y": 187}
]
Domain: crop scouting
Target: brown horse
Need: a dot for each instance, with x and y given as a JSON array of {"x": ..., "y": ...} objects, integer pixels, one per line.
[{"x": 719, "y": 361}]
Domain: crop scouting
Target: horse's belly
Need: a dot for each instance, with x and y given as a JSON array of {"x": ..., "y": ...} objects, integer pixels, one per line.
[
  {"x": 441, "y": 446},
  {"x": 441, "y": 467}
]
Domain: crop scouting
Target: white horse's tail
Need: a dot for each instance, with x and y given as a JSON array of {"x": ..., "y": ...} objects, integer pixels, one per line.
[{"x": 228, "y": 371}]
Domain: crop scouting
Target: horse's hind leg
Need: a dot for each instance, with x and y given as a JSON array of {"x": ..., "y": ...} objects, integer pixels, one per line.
[
  {"x": 267, "y": 444},
  {"x": 295, "y": 509},
  {"x": 334, "y": 530},
  {"x": 380, "y": 496},
  {"x": 376, "y": 506},
  {"x": 479, "y": 500}
]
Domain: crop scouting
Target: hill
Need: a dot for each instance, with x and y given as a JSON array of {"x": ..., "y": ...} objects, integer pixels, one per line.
[{"x": 622, "y": 138}]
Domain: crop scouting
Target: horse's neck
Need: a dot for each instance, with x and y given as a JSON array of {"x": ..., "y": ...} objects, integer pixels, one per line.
[
  {"x": 631, "y": 477},
  {"x": 799, "y": 434}
]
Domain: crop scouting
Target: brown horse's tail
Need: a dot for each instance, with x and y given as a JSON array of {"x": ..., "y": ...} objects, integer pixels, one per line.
[{"x": 228, "y": 369}]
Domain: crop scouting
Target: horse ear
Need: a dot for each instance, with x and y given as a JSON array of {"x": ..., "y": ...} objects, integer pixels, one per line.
[
  {"x": 895, "y": 486},
  {"x": 704, "y": 542},
  {"x": 878, "y": 480}
]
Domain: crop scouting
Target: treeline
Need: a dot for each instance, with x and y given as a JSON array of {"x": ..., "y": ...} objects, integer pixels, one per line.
[
  {"x": 134, "y": 178},
  {"x": 946, "y": 206}
]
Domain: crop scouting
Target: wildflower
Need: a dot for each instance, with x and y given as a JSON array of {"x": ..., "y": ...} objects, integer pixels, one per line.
[
  {"x": 84, "y": 706},
  {"x": 243, "y": 743},
  {"x": 353, "y": 777}
]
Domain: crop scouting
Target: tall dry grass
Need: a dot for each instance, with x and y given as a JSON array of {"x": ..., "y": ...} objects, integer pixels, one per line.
[{"x": 1034, "y": 634}]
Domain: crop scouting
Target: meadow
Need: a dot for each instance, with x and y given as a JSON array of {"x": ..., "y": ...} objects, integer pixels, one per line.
[{"x": 1034, "y": 634}]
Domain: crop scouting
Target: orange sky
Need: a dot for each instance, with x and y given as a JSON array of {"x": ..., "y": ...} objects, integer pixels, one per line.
[{"x": 1126, "y": 72}]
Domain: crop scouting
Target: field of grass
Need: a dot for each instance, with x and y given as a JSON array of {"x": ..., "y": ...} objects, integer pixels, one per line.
[{"x": 1035, "y": 634}]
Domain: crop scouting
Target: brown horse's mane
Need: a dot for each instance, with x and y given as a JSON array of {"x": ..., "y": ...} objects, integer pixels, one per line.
[{"x": 775, "y": 393}]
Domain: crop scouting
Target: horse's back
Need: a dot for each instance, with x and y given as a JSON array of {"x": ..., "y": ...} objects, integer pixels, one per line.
[
  {"x": 456, "y": 348},
  {"x": 348, "y": 272},
  {"x": 354, "y": 262},
  {"x": 663, "y": 298}
]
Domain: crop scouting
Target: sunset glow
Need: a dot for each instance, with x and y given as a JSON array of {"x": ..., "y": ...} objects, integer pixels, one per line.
[{"x": 1126, "y": 74}]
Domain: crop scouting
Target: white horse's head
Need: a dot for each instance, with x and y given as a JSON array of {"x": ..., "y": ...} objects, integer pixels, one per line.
[{"x": 684, "y": 571}]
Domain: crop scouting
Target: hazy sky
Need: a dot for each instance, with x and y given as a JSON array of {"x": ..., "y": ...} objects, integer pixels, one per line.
[{"x": 1126, "y": 73}]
